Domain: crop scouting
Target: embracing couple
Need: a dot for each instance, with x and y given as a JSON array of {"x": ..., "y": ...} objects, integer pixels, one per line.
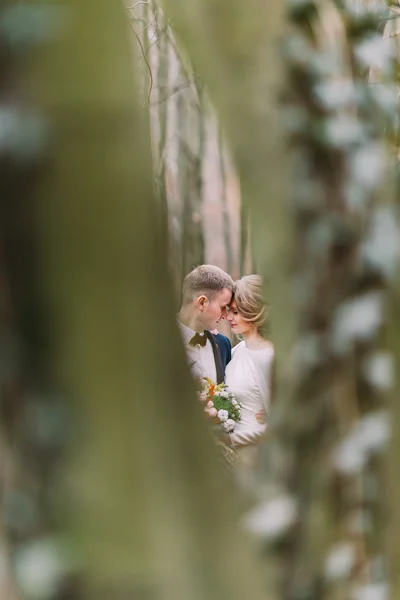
[{"x": 209, "y": 295}]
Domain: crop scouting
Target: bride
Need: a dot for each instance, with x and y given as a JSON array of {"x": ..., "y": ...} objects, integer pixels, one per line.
[{"x": 249, "y": 373}]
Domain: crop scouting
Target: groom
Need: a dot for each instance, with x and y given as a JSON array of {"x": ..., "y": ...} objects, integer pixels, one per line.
[{"x": 206, "y": 293}]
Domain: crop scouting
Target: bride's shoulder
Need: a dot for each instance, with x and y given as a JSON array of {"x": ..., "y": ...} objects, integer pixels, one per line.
[
  {"x": 238, "y": 347},
  {"x": 267, "y": 345},
  {"x": 265, "y": 353}
]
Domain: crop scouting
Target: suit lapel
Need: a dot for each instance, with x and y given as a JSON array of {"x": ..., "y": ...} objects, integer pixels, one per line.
[{"x": 217, "y": 358}]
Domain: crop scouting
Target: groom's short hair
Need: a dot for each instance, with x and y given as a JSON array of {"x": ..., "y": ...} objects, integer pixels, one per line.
[{"x": 207, "y": 280}]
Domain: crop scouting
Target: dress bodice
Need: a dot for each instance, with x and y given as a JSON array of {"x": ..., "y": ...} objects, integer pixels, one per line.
[{"x": 248, "y": 376}]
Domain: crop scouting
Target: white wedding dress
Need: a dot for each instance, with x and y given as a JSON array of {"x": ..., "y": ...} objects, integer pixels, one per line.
[{"x": 248, "y": 377}]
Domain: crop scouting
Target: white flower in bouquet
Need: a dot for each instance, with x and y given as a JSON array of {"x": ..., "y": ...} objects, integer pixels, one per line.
[
  {"x": 229, "y": 425},
  {"x": 210, "y": 404},
  {"x": 234, "y": 402},
  {"x": 223, "y": 415},
  {"x": 203, "y": 396},
  {"x": 223, "y": 394}
]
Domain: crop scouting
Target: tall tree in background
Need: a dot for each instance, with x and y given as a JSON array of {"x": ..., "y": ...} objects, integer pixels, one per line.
[
  {"x": 176, "y": 96},
  {"x": 191, "y": 174},
  {"x": 226, "y": 216}
]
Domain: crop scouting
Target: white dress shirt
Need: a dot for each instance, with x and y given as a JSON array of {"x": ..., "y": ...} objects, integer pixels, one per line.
[{"x": 200, "y": 358}]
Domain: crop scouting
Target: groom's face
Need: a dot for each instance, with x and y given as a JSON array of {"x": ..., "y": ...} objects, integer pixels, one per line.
[{"x": 214, "y": 310}]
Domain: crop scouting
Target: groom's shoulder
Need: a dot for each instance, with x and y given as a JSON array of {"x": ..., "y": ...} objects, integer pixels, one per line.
[{"x": 222, "y": 339}]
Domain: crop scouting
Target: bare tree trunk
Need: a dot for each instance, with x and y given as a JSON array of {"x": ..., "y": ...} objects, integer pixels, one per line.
[
  {"x": 198, "y": 184},
  {"x": 163, "y": 83},
  {"x": 224, "y": 199},
  {"x": 244, "y": 240},
  {"x": 190, "y": 129}
]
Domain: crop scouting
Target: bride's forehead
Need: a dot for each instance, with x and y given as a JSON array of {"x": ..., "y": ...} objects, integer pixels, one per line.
[{"x": 233, "y": 304}]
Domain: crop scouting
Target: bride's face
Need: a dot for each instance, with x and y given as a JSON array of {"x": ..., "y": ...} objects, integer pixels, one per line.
[{"x": 236, "y": 321}]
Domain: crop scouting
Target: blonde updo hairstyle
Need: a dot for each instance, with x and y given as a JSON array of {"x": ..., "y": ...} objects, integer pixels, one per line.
[{"x": 250, "y": 301}]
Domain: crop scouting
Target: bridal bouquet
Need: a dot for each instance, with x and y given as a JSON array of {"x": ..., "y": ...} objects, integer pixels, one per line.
[{"x": 220, "y": 404}]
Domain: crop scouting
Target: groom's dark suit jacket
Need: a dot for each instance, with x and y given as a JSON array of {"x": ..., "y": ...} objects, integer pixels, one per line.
[{"x": 222, "y": 353}]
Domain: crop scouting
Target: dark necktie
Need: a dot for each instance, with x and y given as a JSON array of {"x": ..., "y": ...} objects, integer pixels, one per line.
[{"x": 199, "y": 339}]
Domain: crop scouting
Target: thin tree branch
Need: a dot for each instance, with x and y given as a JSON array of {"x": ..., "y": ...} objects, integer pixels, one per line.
[
  {"x": 175, "y": 90},
  {"x": 147, "y": 102},
  {"x": 137, "y": 4},
  {"x": 150, "y": 22}
]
